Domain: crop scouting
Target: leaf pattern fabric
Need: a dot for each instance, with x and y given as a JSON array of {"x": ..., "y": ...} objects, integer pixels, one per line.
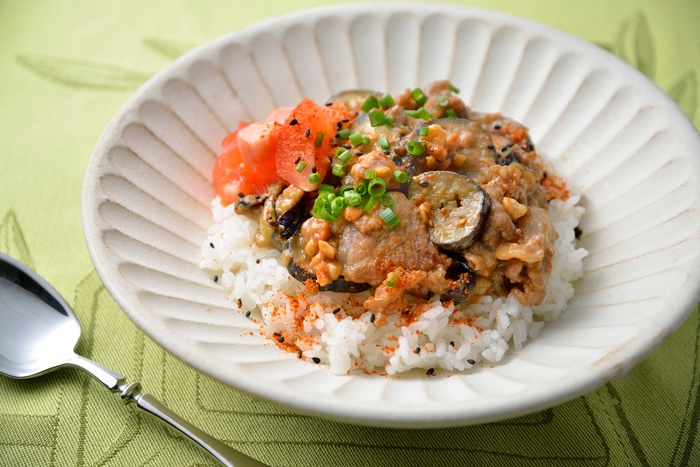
[{"x": 67, "y": 67}]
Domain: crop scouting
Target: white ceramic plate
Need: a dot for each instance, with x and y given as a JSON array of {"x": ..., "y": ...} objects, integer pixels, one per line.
[{"x": 610, "y": 130}]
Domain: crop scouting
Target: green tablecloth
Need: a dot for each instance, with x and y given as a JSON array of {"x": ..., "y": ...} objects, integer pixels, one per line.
[{"x": 66, "y": 67}]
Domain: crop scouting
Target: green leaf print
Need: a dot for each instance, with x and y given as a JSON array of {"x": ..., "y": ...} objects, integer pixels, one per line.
[
  {"x": 685, "y": 93},
  {"x": 12, "y": 239},
  {"x": 635, "y": 44},
  {"x": 168, "y": 48}
]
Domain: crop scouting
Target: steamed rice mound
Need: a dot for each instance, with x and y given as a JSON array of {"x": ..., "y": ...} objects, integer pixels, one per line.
[{"x": 334, "y": 329}]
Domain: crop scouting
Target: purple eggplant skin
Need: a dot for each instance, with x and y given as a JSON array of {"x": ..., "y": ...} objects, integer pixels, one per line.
[
  {"x": 303, "y": 274},
  {"x": 353, "y": 98},
  {"x": 290, "y": 222},
  {"x": 462, "y": 276}
]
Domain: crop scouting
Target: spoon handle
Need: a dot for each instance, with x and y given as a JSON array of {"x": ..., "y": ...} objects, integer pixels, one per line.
[{"x": 131, "y": 392}]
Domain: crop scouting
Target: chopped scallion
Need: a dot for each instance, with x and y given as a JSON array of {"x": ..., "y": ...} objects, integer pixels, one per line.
[
  {"x": 318, "y": 141},
  {"x": 369, "y": 104},
  {"x": 391, "y": 279},
  {"x": 352, "y": 198},
  {"x": 323, "y": 188},
  {"x": 401, "y": 177},
  {"x": 376, "y": 187},
  {"x": 377, "y": 118},
  {"x": 454, "y": 89},
  {"x": 370, "y": 174},
  {"x": 387, "y": 200},
  {"x": 384, "y": 143},
  {"x": 390, "y": 217},
  {"x": 315, "y": 178},
  {"x": 420, "y": 113},
  {"x": 356, "y": 139},
  {"x": 425, "y": 131},
  {"x": 339, "y": 151},
  {"x": 419, "y": 96},
  {"x": 345, "y": 156},
  {"x": 343, "y": 134},
  {"x": 386, "y": 100},
  {"x": 339, "y": 169},
  {"x": 416, "y": 148},
  {"x": 301, "y": 166},
  {"x": 451, "y": 113},
  {"x": 361, "y": 189},
  {"x": 369, "y": 204},
  {"x": 443, "y": 101},
  {"x": 337, "y": 206},
  {"x": 345, "y": 188},
  {"x": 366, "y": 140}
]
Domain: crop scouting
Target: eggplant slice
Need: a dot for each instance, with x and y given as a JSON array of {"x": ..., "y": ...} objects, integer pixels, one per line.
[
  {"x": 303, "y": 274},
  {"x": 282, "y": 214},
  {"x": 459, "y": 207},
  {"x": 461, "y": 275}
]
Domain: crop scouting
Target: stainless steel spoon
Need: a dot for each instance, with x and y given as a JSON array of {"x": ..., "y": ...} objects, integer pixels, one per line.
[{"x": 38, "y": 334}]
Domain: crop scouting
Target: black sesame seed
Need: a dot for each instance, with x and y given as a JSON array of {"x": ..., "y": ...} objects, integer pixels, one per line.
[
  {"x": 296, "y": 161},
  {"x": 417, "y": 349},
  {"x": 240, "y": 303},
  {"x": 247, "y": 314},
  {"x": 358, "y": 154},
  {"x": 490, "y": 146},
  {"x": 313, "y": 169},
  {"x": 452, "y": 343},
  {"x": 336, "y": 311},
  {"x": 293, "y": 122},
  {"x": 577, "y": 232},
  {"x": 257, "y": 261},
  {"x": 241, "y": 195},
  {"x": 316, "y": 360},
  {"x": 345, "y": 120},
  {"x": 497, "y": 127},
  {"x": 256, "y": 196},
  {"x": 328, "y": 104},
  {"x": 471, "y": 362},
  {"x": 510, "y": 145},
  {"x": 430, "y": 371},
  {"x": 424, "y": 184},
  {"x": 387, "y": 152},
  {"x": 280, "y": 339},
  {"x": 339, "y": 125},
  {"x": 216, "y": 278},
  {"x": 298, "y": 353},
  {"x": 308, "y": 132},
  {"x": 371, "y": 318},
  {"x": 276, "y": 333},
  {"x": 347, "y": 146},
  {"x": 211, "y": 244}
]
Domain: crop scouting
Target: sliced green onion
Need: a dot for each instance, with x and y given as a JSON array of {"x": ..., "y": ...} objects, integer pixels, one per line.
[
  {"x": 343, "y": 134},
  {"x": 321, "y": 210},
  {"x": 386, "y": 100},
  {"x": 344, "y": 156},
  {"x": 356, "y": 139},
  {"x": 339, "y": 169},
  {"x": 384, "y": 143},
  {"x": 325, "y": 196},
  {"x": 420, "y": 113},
  {"x": 376, "y": 187},
  {"x": 370, "y": 174},
  {"x": 337, "y": 206},
  {"x": 339, "y": 151},
  {"x": 425, "y": 131},
  {"x": 369, "y": 204},
  {"x": 377, "y": 118},
  {"x": 451, "y": 113},
  {"x": 390, "y": 217},
  {"x": 366, "y": 140},
  {"x": 391, "y": 279},
  {"x": 443, "y": 101},
  {"x": 419, "y": 96},
  {"x": 343, "y": 189},
  {"x": 361, "y": 189},
  {"x": 318, "y": 141},
  {"x": 454, "y": 89},
  {"x": 301, "y": 166},
  {"x": 416, "y": 148},
  {"x": 369, "y": 104},
  {"x": 387, "y": 200},
  {"x": 323, "y": 188},
  {"x": 315, "y": 178},
  {"x": 401, "y": 177},
  {"x": 352, "y": 198}
]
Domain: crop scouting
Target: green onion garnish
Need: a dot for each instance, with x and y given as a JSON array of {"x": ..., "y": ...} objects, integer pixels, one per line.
[
  {"x": 371, "y": 201},
  {"x": 416, "y": 148},
  {"x": 391, "y": 279},
  {"x": 377, "y": 118},
  {"x": 425, "y": 131},
  {"x": 376, "y": 187},
  {"x": 323, "y": 188},
  {"x": 401, "y": 177},
  {"x": 451, "y": 113},
  {"x": 325, "y": 196},
  {"x": 366, "y": 140},
  {"x": 387, "y": 200},
  {"x": 369, "y": 104},
  {"x": 301, "y": 166},
  {"x": 384, "y": 143},
  {"x": 343, "y": 134},
  {"x": 319, "y": 139},
  {"x": 361, "y": 188},
  {"x": 370, "y": 174},
  {"x": 337, "y": 206},
  {"x": 420, "y": 113},
  {"x": 386, "y": 100},
  {"x": 390, "y": 217},
  {"x": 339, "y": 169},
  {"x": 344, "y": 156},
  {"x": 343, "y": 189},
  {"x": 419, "y": 96},
  {"x": 315, "y": 178},
  {"x": 339, "y": 151},
  {"x": 356, "y": 139},
  {"x": 321, "y": 210},
  {"x": 454, "y": 89},
  {"x": 443, "y": 101},
  {"x": 352, "y": 198}
]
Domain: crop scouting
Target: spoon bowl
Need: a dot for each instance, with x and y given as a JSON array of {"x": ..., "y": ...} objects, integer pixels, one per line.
[{"x": 39, "y": 333}]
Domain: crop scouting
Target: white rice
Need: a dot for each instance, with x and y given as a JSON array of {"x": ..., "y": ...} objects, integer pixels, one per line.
[{"x": 442, "y": 335}]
